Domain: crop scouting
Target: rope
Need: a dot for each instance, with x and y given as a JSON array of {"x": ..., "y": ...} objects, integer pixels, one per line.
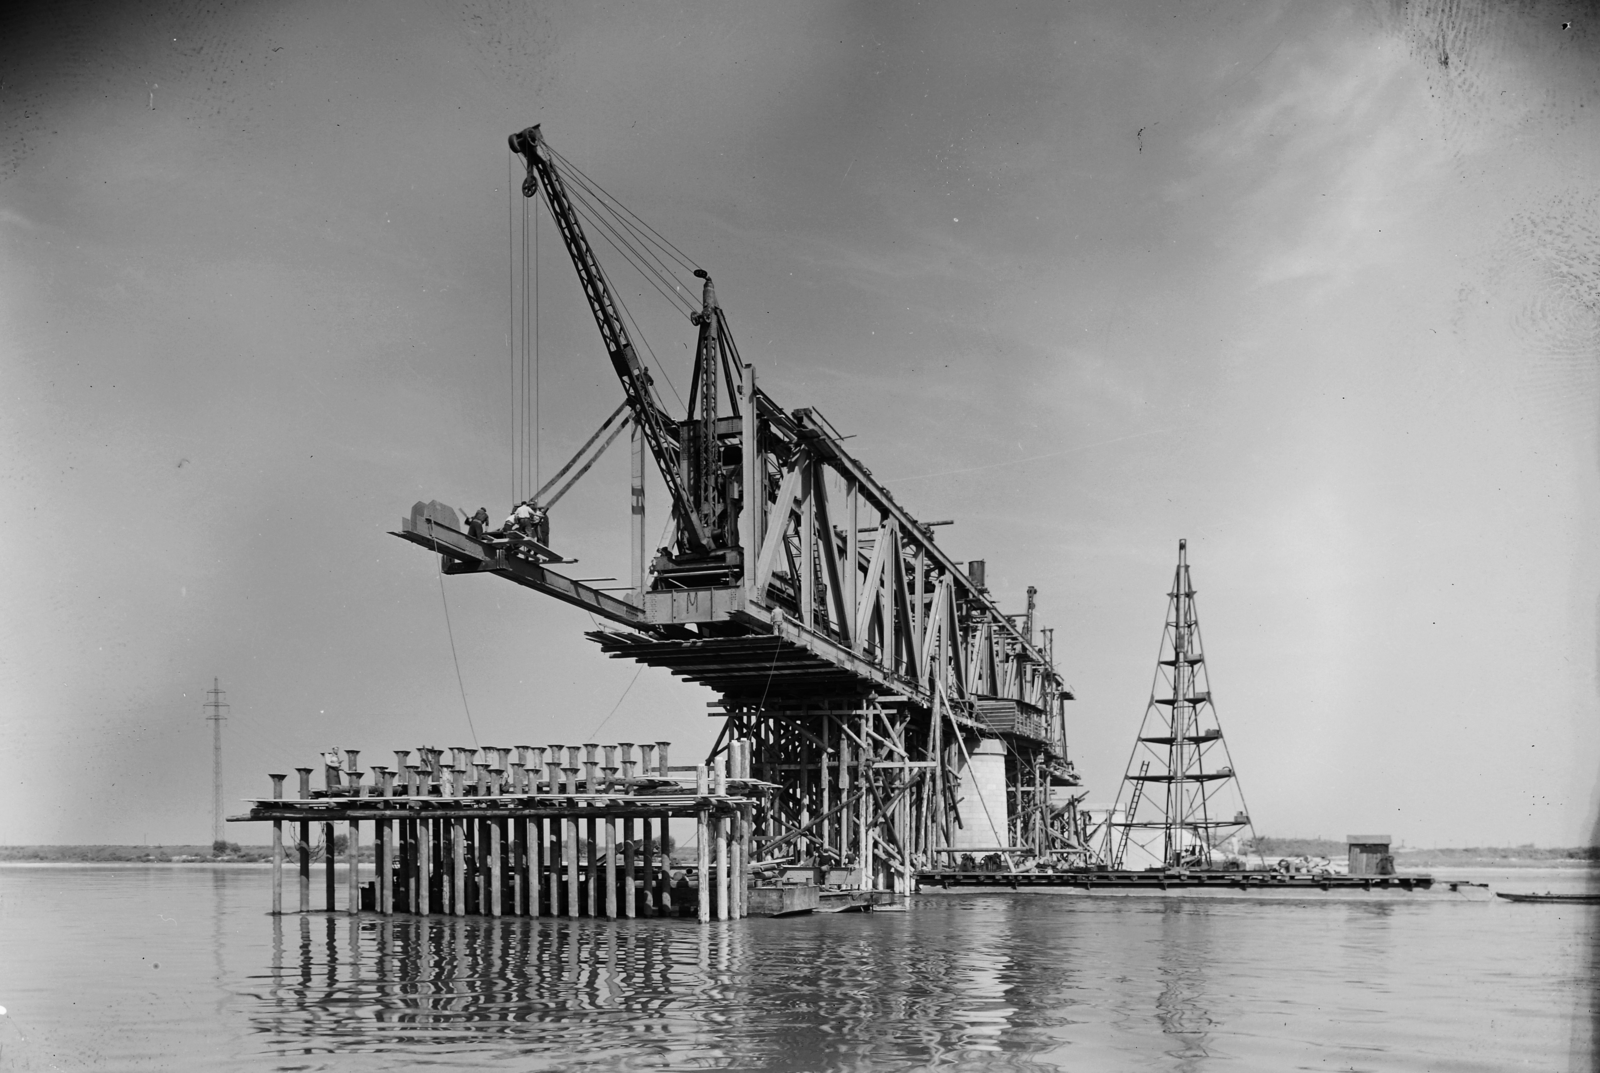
[
  {"x": 451, "y": 633},
  {"x": 617, "y": 705},
  {"x": 776, "y": 648}
]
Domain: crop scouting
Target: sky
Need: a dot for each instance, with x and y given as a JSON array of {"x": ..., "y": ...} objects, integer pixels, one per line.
[{"x": 1315, "y": 287}]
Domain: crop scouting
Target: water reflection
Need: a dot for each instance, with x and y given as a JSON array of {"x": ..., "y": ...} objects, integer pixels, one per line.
[
  {"x": 826, "y": 993},
  {"x": 1187, "y": 948},
  {"x": 541, "y": 986},
  {"x": 961, "y": 982},
  {"x": 978, "y": 984}
]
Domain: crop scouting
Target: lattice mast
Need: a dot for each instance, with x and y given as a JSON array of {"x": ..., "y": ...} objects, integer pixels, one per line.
[
  {"x": 216, "y": 708},
  {"x": 1180, "y": 785}
]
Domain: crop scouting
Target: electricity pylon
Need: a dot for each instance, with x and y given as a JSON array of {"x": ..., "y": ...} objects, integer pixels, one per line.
[{"x": 215, "y": 707}]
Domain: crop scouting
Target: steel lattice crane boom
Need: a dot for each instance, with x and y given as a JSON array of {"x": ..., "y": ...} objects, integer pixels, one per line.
[{"x": 688, "y": 454}]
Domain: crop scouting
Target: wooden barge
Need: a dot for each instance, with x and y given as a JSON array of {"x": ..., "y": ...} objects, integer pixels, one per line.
[{"x": 1221, "y": 880}]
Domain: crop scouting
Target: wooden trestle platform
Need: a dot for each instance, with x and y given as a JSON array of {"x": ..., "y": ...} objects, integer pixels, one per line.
[
  {"x": 1106, "y": 879},
  {"x": 539, "y": 835}
]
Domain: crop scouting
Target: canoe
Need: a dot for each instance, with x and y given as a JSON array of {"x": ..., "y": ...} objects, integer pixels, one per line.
[{"x": 1578, "y": 899}]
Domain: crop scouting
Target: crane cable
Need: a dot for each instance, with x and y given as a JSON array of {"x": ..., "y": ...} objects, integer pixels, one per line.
[
  {"x": 523, "y": 340},
  {"x": 622, "y": 307},
  {"x": 632, "y": 239},
  {"x": 537, "y": 464},
  {"x": 617, "y": 208},
  {"x": 654, "y": 273},
  {"x": 661, "y": 242},
  {"x": 511, "y": 307}
]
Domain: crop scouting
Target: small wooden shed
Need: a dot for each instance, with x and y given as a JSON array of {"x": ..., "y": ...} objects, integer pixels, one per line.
[{"x": 1369, "y": 855}]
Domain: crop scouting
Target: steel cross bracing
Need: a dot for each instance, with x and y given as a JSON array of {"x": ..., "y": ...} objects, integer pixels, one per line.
[
  {"x": 1183, "y": 803},
  {"x": 865, "y": 663}
]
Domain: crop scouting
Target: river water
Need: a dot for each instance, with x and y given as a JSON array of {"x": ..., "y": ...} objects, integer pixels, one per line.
[{"x": 180, "y": 968}]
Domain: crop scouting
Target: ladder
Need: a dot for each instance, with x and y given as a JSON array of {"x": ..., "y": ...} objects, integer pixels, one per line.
[{"x": 1133, "y": 810}]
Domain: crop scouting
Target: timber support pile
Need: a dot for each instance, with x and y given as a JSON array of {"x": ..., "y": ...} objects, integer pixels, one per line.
[{"x": 527, "y": 831}]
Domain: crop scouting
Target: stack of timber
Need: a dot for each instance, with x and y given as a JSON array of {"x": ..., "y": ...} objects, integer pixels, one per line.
[{"x": 530, "y": 830}]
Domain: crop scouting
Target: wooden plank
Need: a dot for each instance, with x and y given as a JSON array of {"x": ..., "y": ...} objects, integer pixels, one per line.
[
  {"x": 591, "y": 852},
  {"x": 352, "y": 850},
  {"x": 611, "y": 867},
  {"x": 703, "y": 864},
  {"x": 496, "y": 849},
  {"x": 646, "y": 893},
  {"x": 458, "y": 867},
  {"x": 629, "y": 908},
  {"x": 424, "y": 868},
  {"x": 573, "y": 859}
]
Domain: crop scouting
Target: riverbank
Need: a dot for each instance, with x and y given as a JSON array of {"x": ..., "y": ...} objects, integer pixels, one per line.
[
  {"x": 1406, "y": 860},
  {"x": 1411, "y": 859},
  {"x": 134, "y": 854}
]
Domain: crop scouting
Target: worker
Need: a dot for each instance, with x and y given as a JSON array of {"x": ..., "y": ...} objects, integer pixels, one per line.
[
  {"x": 540, "y": 523},
  {"x": 522, "y": 517},
  {"x": 477, "y": 524},
  {"x": 520, "y": 520}
]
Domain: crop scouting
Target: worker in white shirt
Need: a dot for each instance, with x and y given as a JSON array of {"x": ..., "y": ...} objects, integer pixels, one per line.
[{"x": 522, "y": 517}]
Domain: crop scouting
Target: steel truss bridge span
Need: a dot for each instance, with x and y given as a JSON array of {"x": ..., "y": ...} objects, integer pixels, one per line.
[{"x": 903, "y": 715}]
